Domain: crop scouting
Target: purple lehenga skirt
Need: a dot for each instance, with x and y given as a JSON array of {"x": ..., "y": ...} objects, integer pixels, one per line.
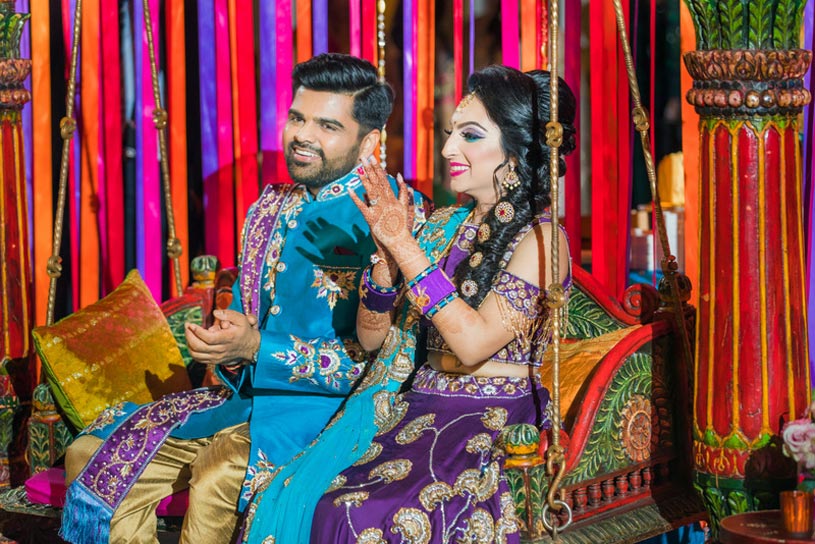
[{"x": 432, "y": 474}]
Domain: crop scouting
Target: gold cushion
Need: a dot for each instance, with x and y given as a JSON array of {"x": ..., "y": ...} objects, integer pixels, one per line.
[{"x": 117, "y": 349}]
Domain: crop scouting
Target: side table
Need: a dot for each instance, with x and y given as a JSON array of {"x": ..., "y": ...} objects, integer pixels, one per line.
[{"x": 762, "y": 527}]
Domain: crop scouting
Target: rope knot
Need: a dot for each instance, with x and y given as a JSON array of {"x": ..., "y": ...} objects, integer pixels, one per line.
[
  {"x": 554, "y": 134},
  {"x": 640, "y": 117},
  {"x": 556, "y": 298},
  {"x": 67, "y": 127},
  {"x": 174, "y": 249},
  {"x": 54, "y": 266},
  {"x": 160, "y": 118}
]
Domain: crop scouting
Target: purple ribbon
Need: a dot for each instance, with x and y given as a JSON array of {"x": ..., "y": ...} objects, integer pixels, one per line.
[
  {"x": 319, "y": 32},
  {"x": 269, "y": 135},
  {"x": 809, "y": 201}
]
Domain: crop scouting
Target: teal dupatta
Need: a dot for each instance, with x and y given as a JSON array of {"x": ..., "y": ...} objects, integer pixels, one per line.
[{"x": 282, "y": 511}]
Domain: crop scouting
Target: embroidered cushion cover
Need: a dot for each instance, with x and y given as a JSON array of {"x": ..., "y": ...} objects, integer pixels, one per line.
[{"x": 118, "y": 349}]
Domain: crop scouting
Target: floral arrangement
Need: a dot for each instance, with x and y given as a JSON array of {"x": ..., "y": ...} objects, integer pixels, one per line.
[{"x": 799, "y": 444}]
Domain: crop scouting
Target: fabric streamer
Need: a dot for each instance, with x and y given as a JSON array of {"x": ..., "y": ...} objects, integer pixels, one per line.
[
  {"x": 245, "y": 108},
  {"x": 425, "y": 68},
  {"x": 369, "y": 45},
  {"x": 208, "y": 119},
  {"x": 70, "y": 271},
  {"x": 690, "y": 155},
  {"x": 177, "y": 132},
  {"x": 223, "y": 113},
  {"x": 472, "y": 36},
  {"x": 42, "y": 176},
  {"x": 808, "y": 149},
  {"x": 270, "y": 143},
  {"x": 320, "y": 27},
  {"x": 458, "y": 47},
  {"x": 529, "y": 35},
  {"x": 285, "y": 64},
  {"x": 304, "y": 36},
  {"x": 572, "y": 75},
  {"x": 354, "y": 27},
  {"x": 510, "y": 50},
  {"x": 610, "y": 136},
  {"x": 409, "y": 21},
  {"x": 148, "y": 214},
  {"x": 111, "y": 189},
  {"x": 91, "y": 180}
]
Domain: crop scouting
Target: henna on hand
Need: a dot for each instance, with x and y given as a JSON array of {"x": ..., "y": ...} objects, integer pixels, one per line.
[{"x": 373, "y": 321}]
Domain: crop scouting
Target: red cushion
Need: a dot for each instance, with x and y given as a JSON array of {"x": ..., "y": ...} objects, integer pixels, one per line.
[{"x": 48, "y": 487}]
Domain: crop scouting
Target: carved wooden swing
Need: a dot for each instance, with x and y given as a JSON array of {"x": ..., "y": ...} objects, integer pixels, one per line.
[{"x": 619, "y": 372}]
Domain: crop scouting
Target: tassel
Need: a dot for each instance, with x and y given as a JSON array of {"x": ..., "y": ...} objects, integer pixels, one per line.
[{"x": 85, "y": 518}]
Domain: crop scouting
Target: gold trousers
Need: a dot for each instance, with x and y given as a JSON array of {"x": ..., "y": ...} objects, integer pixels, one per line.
[{"x": 212, "y": 468}]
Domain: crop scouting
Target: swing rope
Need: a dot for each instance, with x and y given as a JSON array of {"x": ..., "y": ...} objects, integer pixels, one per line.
[{"x": 67, "y": 128}]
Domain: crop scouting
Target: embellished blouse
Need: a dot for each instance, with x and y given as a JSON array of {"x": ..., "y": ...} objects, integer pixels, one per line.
[{"x": 514, "y": 293}]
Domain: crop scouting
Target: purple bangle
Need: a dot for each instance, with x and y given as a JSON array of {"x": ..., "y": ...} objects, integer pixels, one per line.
[
  {"x": 431, "y": 291},
  {"x": 375, "y": 297}
]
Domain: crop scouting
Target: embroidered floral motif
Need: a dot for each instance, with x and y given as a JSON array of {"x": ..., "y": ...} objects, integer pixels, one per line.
[
  {"x": 258, "y": 476},
  {"x": 413, "y": 525},
  {"x": 336, "y": 483},
  {"x": 435, "y": 494},
  {"x": 391, "y": 471},
  {"x": 388, "y": 411},
  {"x": 371, "y": 535},
  {"x": 482, "y": 484},
  {"x": 494, "y": 418},
  {"x": 480, "y": 528},
  {"x": 108, "y": 416},
  {"x": 415, "y": 428},
  {"x": 480, "y": 443},
  {"x": 334, "y": 284},
  {"x": 372, "y": 453},
  {"x": 356, "y": 498},
  {"x": 317, "y": 362}
]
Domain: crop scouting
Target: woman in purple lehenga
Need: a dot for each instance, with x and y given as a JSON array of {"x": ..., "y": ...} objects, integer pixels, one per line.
[{"x": 427, "y": 471}]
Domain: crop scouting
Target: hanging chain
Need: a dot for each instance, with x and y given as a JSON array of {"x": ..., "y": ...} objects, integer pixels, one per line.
[
  {"x": 556, "y": 299},
  {"x": 67, "y": 127},
  {"x": 174, "y": 249},
  {"x": 640, "y": 119},
  {"x": 380, "y": 42}
]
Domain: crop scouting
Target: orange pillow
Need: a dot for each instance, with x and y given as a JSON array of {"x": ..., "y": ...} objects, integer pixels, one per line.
[{"x": 118, "y": 349}]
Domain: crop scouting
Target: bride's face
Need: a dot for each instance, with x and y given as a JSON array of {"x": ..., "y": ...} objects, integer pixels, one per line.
[{"x": 474, "y": 151}]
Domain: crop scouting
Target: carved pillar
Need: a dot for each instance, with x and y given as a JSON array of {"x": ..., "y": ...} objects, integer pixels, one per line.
[
  {"x": 752, "y": 364},
  {"x": 15, "y": 266}
]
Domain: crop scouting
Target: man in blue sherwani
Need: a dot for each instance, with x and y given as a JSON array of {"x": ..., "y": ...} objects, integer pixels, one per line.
[{"x": 286, "y": 347}]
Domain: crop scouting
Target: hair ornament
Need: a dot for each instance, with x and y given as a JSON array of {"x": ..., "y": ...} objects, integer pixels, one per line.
[
  {"x": 484, "y": 232},
  {"x": 505, "y": 212},
  {"x": 476, "y": 258},
  {"x": 466, "y": 101}
]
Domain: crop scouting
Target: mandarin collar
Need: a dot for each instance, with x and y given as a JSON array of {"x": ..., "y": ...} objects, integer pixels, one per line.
[{"x": 335, "y": 189}]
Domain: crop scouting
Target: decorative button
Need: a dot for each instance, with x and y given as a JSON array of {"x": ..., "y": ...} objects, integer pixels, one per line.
[
  {"x": 275, "y": 309},
  {"x": 280, "y": 267},
  {"x": 292, "y": 224}
]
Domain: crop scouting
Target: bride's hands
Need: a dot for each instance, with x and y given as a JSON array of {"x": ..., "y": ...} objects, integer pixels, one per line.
[{"x": 389, "y": 216}]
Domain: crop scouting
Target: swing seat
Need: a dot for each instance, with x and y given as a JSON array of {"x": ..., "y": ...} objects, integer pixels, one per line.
[
  {"x": 623, "y": 397},
  {"x": 623, "y": 391}
]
